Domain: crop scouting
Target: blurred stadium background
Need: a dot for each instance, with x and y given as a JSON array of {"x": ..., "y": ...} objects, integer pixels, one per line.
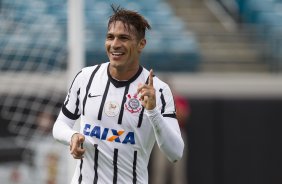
[{"x": 224, "y": 56}]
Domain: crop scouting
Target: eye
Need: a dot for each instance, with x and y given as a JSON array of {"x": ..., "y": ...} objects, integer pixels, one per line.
[
  {"x": 124, "y": 38},
  {"x": 110, "y": 37}
]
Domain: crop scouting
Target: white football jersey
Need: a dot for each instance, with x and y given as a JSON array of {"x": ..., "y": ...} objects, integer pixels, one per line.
[{"x": 118, "y": 135}]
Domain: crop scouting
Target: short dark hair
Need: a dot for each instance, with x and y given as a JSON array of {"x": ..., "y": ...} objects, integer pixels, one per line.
[{"x": 132, "y": 18}]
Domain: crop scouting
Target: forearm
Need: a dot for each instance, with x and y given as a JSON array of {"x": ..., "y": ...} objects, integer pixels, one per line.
[
  {"x": 63, "y": 129},
  {"x": 167, "y": 134}
]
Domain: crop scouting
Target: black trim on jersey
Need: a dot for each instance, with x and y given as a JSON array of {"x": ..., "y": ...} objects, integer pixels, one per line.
[
  {"x": 142, "y": 111},
  {"x": 103, "y": 100},
  {"x": 134, "y": 168},
  {"x": 68, "y": 114},
  {"x": 96, "y": 164},
  {"x": 88, "y": 87},
  {"x": 77, "y": 103},
  {"x": 74, "y": 79},
  {"x": 122, "y": 104},
  {"x": 140, "y": 117},
  {"x": 174, "y": 103},
  {"x": 80, "y": 176},
  {"x": 119, "y": 84},
  {"x": 163, "y": 101},
  {"x": 115, "y": 166},
  {"x": 67, "y": 101},
  {"x": 170, "y": 115}
]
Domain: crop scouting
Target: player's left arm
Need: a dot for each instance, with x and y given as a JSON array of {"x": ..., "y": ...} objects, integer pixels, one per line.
[{"x": 165, "y": 125}]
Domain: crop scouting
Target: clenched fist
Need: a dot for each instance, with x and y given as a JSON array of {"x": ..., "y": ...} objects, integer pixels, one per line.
[{"x": 76, "y": 146}]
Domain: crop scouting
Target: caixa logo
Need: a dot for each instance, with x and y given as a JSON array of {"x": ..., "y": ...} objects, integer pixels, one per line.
[{"x": 108, "y": 134}]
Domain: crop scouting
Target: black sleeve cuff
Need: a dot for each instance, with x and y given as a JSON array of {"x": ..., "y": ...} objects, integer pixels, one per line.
[
  {"x": 170, "y": 115},
  {"x": 68, "y": 114}
]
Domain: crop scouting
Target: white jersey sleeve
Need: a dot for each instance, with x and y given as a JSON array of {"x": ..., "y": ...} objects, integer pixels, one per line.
[
  {"x": 165, "y": 125},
  {"x": 70, "y": 112}
]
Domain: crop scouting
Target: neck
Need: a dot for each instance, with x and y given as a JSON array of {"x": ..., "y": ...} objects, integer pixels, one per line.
[{"x": 123, "y": 74}]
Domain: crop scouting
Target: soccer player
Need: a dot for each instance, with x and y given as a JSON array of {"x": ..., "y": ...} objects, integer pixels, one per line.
[{"x": 123, "y": 108}]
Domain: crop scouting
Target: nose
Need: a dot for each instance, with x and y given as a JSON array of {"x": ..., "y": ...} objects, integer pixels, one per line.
[{"x": 116, "y": 43}]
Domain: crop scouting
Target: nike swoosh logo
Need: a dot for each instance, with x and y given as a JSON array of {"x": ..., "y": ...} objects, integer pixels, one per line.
[{"x": 92, "y": 96}]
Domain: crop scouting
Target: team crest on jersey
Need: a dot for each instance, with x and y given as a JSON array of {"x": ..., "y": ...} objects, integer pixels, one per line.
[
  {"x": 111, "y": 108},
  {"x": 132, "y": 103}
]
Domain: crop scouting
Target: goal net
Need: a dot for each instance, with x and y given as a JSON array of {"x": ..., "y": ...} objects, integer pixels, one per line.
[{"x": 33, "y": 83}]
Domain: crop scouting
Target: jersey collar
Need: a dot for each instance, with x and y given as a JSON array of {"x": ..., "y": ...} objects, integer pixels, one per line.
[{"x": 118, "y": 83}]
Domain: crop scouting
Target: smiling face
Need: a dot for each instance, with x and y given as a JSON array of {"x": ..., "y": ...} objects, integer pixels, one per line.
[{"x": 123, "y": 47}]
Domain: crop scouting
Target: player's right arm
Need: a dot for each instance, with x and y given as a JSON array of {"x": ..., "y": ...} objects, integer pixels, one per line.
[{"x": 63, "y": 128}]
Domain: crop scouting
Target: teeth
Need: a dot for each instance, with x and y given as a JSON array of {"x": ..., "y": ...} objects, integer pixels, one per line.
[{"x": 117, "y": 53}]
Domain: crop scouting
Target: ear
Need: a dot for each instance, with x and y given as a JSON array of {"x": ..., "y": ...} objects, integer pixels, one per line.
[{"x": 141, "y": 44}]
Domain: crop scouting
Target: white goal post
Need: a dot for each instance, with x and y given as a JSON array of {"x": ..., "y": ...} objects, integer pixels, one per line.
[{"x": 76, "y": 51}]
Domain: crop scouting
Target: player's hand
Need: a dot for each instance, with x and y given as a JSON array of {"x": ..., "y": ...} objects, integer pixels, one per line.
[
  {"x": 147, "y": 93},
  {"x": 76, "y": 148}
]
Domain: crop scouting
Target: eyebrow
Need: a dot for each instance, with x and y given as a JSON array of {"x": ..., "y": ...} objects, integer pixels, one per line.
[{"x": 119, "y": 35}]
